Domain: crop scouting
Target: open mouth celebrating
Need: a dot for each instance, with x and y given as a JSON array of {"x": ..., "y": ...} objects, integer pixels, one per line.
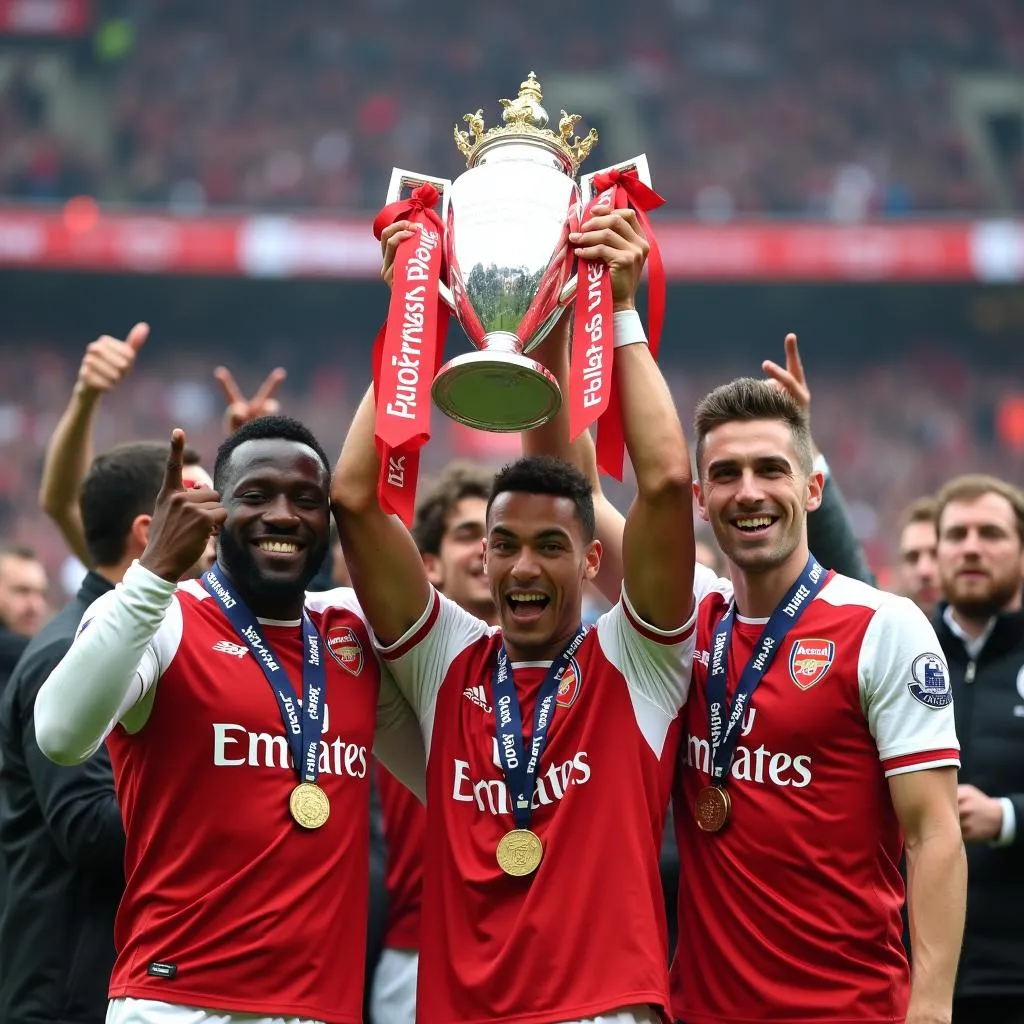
[{"x": 527, "y": 606}]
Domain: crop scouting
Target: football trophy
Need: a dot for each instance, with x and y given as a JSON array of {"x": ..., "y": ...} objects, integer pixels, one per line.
[{"x": 508, "y": 263}]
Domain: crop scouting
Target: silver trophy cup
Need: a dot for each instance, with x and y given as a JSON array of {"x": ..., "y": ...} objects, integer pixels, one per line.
[{"x": 507, "y": 221}]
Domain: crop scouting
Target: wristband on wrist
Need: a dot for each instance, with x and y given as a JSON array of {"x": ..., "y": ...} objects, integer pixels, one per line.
[{"x": 628, "y": 329}]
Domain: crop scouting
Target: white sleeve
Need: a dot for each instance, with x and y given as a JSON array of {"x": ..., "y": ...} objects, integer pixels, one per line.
[
  {"x": 905, "y": 691},
  {"x": 123, "y": 645},
  {"x": 655, "y": 663},
  {"x": 420, "y": 660},
  {"x": 398, "y": 742}
]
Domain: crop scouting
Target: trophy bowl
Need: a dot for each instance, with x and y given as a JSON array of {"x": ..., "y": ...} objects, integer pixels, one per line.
[{"x": 507, "y": 223}]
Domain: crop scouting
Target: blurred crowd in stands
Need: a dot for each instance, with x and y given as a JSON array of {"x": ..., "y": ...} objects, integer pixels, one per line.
[
  {"x": 890, "y": 432},
  {"x": 820, "y": 108}
]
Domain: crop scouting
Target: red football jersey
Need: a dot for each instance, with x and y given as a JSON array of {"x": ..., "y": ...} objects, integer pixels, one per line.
[
  {"x": 791, "y": 913},
  {"x": 405, "y": 824},
  {"x": 585, "y": 934},
  {"x": 229, "y": 904}
]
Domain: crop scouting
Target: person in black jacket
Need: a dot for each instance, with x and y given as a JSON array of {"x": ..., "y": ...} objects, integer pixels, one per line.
[
  {"x": 980, "y": 524},
  {"x": 61, "y": 833}
]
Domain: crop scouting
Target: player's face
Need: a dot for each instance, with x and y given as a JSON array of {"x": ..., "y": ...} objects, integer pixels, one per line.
[
  {"x": 754, "y": 493},
  {"x": 190, "y": 475},
  {"x": 458, "y": 569},
  {"x": 918, "y": 570},
  {"x": 979, "y": 555},
  {"x": 537, "y": 560},
  {"x": 278, "y": 526}
]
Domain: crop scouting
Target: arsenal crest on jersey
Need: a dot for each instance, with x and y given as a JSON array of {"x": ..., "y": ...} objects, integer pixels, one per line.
[
  {"x": 345, "y": 648},
  {"x": 569, "y": 685},
  {"x": 809, "y": 660}
]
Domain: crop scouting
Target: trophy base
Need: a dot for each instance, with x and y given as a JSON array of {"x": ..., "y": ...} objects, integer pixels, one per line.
[{"x": 500, "y": 392}]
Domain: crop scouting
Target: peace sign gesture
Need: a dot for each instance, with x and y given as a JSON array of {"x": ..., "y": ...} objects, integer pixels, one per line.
[
  {"x": 241, "y": 409},
  {"x": 183, "y": 520}
]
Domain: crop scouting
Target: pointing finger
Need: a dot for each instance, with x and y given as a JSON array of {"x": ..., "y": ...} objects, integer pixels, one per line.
[
  {"x": 137, "y": 336},
  {"x": 793, "y": 361},
  {"x": 231, "y": 390},
  {"x": 172, "y": 477}
]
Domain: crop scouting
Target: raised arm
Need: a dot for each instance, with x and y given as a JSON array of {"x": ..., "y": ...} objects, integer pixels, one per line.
[
  {"x": 382, "y": 558},
  {"x": 114, "y": 662},
  {"x": 553, "y": 439},
  {"x": 658, "y": 546},
  {"x": 105, "y": 364}
]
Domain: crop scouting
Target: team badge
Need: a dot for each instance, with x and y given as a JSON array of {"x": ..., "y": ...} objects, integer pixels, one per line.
[
  {"x": 929, "y": 681},
  {"x": 809, "y": 660},
  {"x": 346, "y": 649},
  {"x": 569, "y": 685}
]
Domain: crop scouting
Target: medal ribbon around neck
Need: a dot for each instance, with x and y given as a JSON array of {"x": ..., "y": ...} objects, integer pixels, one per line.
[
  {"x": 520, "y": 770},
  {"x": 303, "y": 724},
  {"x": 786, "y": 615}
]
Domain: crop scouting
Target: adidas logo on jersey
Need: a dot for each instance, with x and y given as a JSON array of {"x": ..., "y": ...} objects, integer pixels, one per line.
[
  {"x": 478, "y": 696},
  {"x": 227, "y": 647}
]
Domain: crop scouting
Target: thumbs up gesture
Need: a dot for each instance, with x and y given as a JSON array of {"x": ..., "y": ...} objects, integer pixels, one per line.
[
  {"x": 183, "y": 520},
  {"x": 108, "y": 360}
]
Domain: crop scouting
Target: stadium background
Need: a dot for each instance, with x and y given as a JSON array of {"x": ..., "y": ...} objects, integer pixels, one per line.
[{"x": 850, "y": 172}]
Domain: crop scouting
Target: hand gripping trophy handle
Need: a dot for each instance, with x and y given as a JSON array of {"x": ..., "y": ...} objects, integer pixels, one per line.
[{"x": 402, "y": 181}]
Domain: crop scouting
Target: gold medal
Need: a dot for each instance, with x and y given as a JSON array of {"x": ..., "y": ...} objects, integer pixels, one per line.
[
  {"x": 519, "y": 852},
  {"x": 309, "y": 805},
  {"x": 712, "y": 808}
]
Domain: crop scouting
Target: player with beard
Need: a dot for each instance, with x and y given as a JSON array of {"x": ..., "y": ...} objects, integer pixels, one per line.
[
  {"x": 980, "y": 522},
  {"x": 541, "y": 893},
  {"x": 449, "y": 529},
  {"x": 245, "y": 804},
  {"x": 819, "y": 731}
]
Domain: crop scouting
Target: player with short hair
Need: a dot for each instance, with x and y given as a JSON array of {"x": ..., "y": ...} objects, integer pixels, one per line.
[
  {"x": 240, "y": 714},
  {"x": 550, "y": 746},
  {"x": 819, "y": 739}
]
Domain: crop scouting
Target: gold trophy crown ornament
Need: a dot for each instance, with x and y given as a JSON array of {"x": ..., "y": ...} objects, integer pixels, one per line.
[{"x": 507, "y": 221}]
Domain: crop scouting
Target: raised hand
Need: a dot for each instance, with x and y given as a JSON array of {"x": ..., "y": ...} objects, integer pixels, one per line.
[
  {"x": 791, "y": 378},
  {"x": 390, "y": 239},
  {"x": 615, "y": 238},
  {"x": 183, "y": 520},
  {"x": 241, "y": 409},
  {"x": 107, "y": 361}
]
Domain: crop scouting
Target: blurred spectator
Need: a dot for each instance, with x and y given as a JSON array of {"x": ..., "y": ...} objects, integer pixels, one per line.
[
  {"x": 828, "y": 109},
  {"x": 23, "y": 605},
  {"x": 917, "y": 571}
]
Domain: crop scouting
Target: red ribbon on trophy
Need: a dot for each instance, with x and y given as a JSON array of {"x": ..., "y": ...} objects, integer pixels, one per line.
[
  {"x": 407, "y": 352},
  {"x": 593, "y": 395}
]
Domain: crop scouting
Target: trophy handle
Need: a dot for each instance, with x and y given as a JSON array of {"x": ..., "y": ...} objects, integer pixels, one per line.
[
  {"x": 638, "y": 164},
  {"x": 401, "y": 180},
  {"x": 643, "y": 172}
]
